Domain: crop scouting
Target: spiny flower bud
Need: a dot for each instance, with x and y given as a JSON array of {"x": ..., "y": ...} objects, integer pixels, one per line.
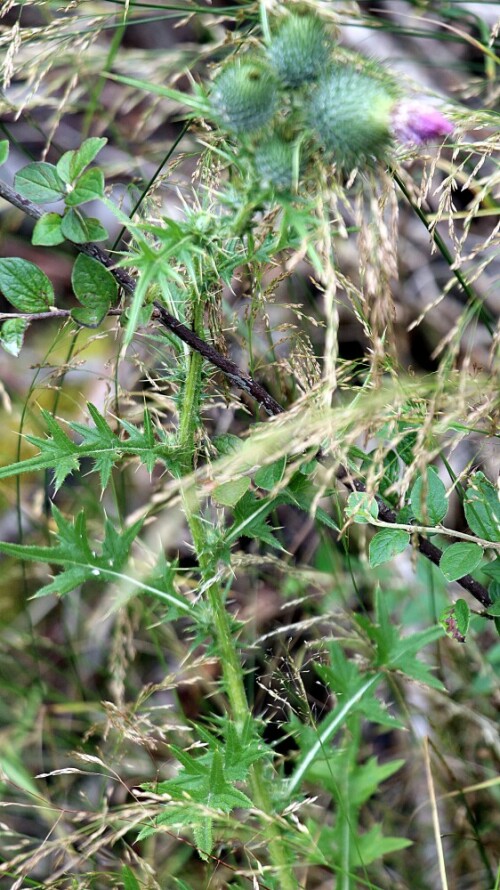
[
  {"x": 274, "y": 161},
  {"x": 300, "y": 49},
  {"x": 244, "y": 96},
  {"x": 350, "y": 111},
  {"x": 414, "y": 123}
]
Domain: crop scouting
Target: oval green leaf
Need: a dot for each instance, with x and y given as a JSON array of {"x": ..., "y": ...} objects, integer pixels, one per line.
[
  {"x": 268, "y": 477},
  {"x": 40, "y": 182},
  {"x": 387, "y": 544},
  {"x": 229, "y": 493},
  {"x": 482, "y": 508},
  {"x": 89, "y": 187},
  {"x": 12, "y": 335},
  {"x": 455, "y": 620},
  {"x": 361, "y": 507},
  {"x": 81, "y": 229},
  {"x": 428, "y": 498},
  {"x": 89, "y": 277},
  {"x": 4, "y": 150},
  {"x": 85, "y": 155},
  {"x": 47, "y": 231},
  {"x": 460, "y": 559},
  {"x": 25, "y": 286}
]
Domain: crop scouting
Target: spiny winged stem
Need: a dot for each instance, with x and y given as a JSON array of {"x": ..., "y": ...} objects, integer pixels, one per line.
[{"x": 230, "y": 662}]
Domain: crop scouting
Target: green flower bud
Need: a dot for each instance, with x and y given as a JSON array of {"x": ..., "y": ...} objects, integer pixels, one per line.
[
  {"x": 274, "y": 160},
  {"x": 300, "y": 49},
  {"x": 350, "y": 112},
  {"x": 244, "y": 96}
]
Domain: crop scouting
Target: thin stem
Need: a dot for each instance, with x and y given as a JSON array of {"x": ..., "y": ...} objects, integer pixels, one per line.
[{"x": 437, "y": 530}]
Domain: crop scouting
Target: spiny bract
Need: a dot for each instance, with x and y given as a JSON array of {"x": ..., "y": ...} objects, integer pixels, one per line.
[
  {"x": 244, "y": 96},
  {"x": 300, "y": 49},
  {"x": 350, "y": 112}
]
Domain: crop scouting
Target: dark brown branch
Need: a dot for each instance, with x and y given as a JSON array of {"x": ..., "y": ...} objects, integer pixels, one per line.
[{"x": 235, "y": 375}]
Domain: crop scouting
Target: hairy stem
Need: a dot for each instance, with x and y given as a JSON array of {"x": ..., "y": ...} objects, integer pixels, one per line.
[{"x": 232, "y": 670}]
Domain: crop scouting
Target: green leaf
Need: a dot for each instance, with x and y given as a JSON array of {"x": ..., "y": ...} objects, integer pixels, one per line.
[
  {"x": 492, "y": 569},
  {"x": 361, "y": 507},
  {"x": 460, "y": 559},
  {"x": 250, "y": 520},
  {"x": 135, "y": 307},
  {"x": 462, "y": 615},
  {"x": 98, "y": 443},
  {"x": 203, "y": 837},
  {"x": 300, "y": 492},
  {"x": 229, "y": 493},
  {"x": 128, "y": 879},
  {"x": 89, "y": 187},
  {"x": 482, "y": 508},
  {"x": 227, "y": 443},
  {"x": 47, "y": 231},
  {"x": 268, "y": 477},
  {"x": 13, "y": 769},
  {"x": 494, "y": 609},
  {"x": 72, "y": 163},
  {"x": 364, "y": 848},
  {"x": 12, "y": 335},
  {"x": 63, "y": 166},
  {"x": 95, "y": 288},
  {"x": 386, "y": 544},
  {"x": 58, "y": 447},
  {"x": 84, "y": 156},
  {"x": 494, "y": 592},
  {"x": 202, "y": 784},
  {"x": 81, "y": 229},
  {"x": 80, "y": 562},
  {"x": 428, "y": 498},
  {"x": 396, "y": 652},
  {"x": 4, "y": 151},
  {"x": 368, "y": 776},
  {"x": 92, "y": 315},
  {"x": 359, "y": 688},
  {"x": 373, "y": 844},
  {"x": 199, "y": 104},
  {"x": 57, "y": 451},
  {"x": 455, "y": 620},
  {"x": 25, "y": 285},
  {"x": 91, "y": 277},
  {"x": 40, "y": 182},
  {"x": 405, "y": 447},
  {"x": 329, "y": 771}
]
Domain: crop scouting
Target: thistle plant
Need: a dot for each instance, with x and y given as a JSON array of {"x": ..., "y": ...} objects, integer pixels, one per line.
[{"x": 266, "y": 557}]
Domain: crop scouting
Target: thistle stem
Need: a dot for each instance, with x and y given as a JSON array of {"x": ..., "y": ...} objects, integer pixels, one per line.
[{"x": 231, "y": 666}]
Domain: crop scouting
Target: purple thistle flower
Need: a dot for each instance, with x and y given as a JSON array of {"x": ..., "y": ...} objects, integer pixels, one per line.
[{"x": 414, "y": 123}]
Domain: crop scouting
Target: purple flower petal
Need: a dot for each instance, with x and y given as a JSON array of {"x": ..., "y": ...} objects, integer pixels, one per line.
[{"x": 414, "y": 123}]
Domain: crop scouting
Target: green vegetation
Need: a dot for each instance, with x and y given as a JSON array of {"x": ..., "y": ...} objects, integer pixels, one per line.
[{"x": 250, "y": 526}]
